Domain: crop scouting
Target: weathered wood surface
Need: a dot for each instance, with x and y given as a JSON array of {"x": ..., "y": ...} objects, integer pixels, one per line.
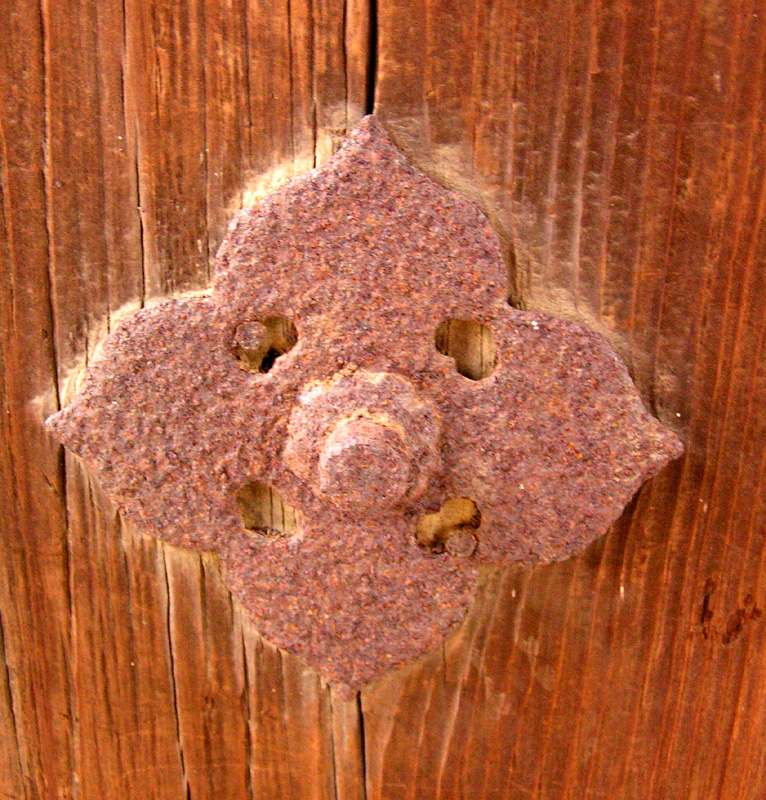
[{"x": 620, "y": 149}]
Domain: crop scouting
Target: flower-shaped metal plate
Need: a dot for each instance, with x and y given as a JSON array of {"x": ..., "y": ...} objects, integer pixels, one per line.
[{"x": 319, "y": 371}]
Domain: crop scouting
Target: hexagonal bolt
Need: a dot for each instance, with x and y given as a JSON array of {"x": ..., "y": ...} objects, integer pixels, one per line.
[{"x": 364, "y": 463}]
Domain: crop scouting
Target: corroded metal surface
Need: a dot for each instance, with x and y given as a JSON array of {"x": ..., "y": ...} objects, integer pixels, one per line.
[
  {"x": 365, "y": 440},
  {"x": 363, "y": 425}
]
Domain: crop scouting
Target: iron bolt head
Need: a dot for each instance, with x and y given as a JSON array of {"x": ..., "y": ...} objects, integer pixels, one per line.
[
  {"x": 364, "y": 440},
  {"x": 364, "y": 463}
]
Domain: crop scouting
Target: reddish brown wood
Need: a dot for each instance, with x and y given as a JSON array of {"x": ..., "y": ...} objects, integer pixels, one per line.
[
  {"x": 620, "y": 149},
  {"x": 33, "y": 567},
  {"x": 124, "y": 687},
  {"x": 129, "y": 132}
]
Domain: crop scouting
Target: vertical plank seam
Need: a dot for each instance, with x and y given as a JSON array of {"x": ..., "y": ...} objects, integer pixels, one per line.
[
  {"x": 204, "y": 606},
  {"x": 333, "y": 759},
  {"x": 248, "y": 711},
  {"x": 125, "y": 81},
  {"x": 372, "y": 58},
  {"x": 139, "y": 198},
  {"x": 362, "y": 745},
  {"x": 344, "y": 53},
  {"x": 102, "y": 182},
  {"x": 124, "y": 107},
  {"x": 46, "y": 168},
  {"x": 514, "y": 289},
  {"x": 171, "y": 657},
  {"x": 54, "y": 324}
]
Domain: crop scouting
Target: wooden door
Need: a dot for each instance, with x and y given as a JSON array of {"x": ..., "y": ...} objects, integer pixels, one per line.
[{"x": 619, "y": 147}]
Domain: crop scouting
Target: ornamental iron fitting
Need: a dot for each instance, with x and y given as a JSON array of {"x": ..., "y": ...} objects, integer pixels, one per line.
[{"x": 355, "y": 419}]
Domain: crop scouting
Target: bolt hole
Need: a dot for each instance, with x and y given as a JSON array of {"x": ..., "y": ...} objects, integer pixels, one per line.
[
  {"x": 259, "y": 343},
  {"x": 268, "y": 360},
  {"x": 264, "y": 512},
  {"x": 451, "y": 529},
  {"x": 471, "y": 345}
]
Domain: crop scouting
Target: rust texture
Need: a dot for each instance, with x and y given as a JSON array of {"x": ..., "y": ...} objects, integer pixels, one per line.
[{"x": 362, "y": 425}]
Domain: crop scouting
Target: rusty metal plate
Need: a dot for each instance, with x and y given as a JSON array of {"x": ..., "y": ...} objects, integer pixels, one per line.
[{"x": 312, "y": 369}]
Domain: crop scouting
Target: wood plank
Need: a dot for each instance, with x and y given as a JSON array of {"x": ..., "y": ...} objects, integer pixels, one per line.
[
  {"x": 165, "y": 101},
  {"x": 126, "y": 143},
  {"x": 11, "y": 781},
  {"x": 290, "y": 726},
  {"x": 621, "y": 149},
  {"x": 208, "y": 677},
  {"x": 33, "y": 558},
  {"x": 127, "y": 743},
  {"x": 348, "y": 748}
]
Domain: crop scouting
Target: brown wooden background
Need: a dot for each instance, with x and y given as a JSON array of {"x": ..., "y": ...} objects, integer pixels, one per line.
[{"x": 620, "y": 148}]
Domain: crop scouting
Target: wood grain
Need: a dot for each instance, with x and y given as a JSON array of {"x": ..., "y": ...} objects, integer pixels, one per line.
[
  {"x": 129, "y": 133},
  {"x": 33, "y": 568},
  {"x": 619, "y": 147}
]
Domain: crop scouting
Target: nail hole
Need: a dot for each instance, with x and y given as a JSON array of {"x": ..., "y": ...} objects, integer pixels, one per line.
[
  {"x": 264, "y": 512},
  {"x": 451, "y": 529},
  {"x": 259, "y": 343},
  {"x": 471, "y": 344}
]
